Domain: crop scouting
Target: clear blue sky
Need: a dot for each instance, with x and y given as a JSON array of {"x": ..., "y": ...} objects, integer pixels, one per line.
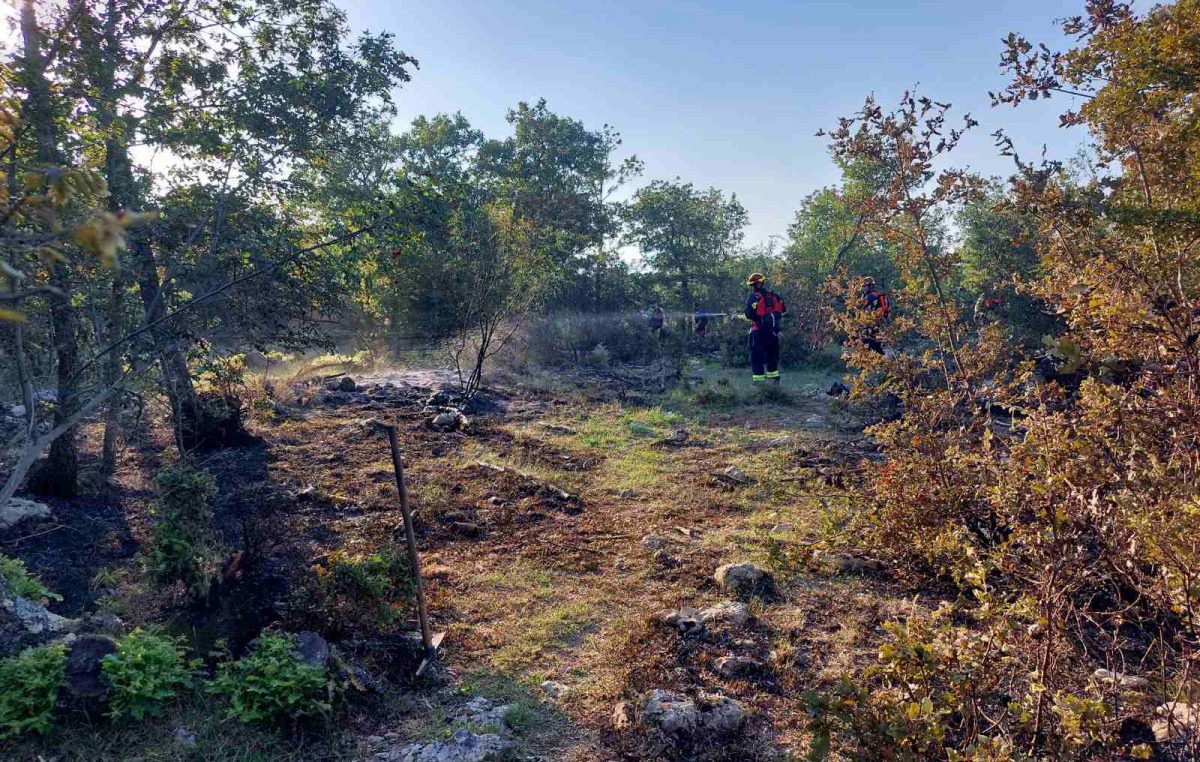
[{"x": 722, "y": 93}]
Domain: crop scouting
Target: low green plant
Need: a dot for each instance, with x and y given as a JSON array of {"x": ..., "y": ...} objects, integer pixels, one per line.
[
  {"x": 271, "y": 683},
  {"x": 357, "y": 593},
  {"x": 22, "y": 583},
  {"x": 29, "y": 685},
  {"x": 184, "y": 545},
  {"x": 720, "y": 394},
  {"x": 147, "y": 671}
]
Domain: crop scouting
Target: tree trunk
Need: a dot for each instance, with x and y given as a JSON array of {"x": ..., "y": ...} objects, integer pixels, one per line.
[
  {"x": 195, "y": 426},
  {"x": 59, "y": 474},
  {"x": 122, "y": 195},
  {"x": 112, "y": 372}
]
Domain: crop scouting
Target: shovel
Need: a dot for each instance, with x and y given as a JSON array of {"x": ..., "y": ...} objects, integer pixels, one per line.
[{"x": 430, "y": 641}]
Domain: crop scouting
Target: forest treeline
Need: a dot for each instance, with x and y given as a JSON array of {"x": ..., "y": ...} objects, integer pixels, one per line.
[{"x": 191, "y": 178}]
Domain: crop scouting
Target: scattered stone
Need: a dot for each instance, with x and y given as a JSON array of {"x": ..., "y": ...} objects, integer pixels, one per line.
[
  {"x": 104, "y": 622},
  {"x": 466, "y": 528},
  {"x": 1176, "y": 722},
  {"x": 449, "y": 420},
  {"x": 665, "y": 559},
  {"x": 692, "y": 622},
  {"x": 25, "y": 623},
  {"x": 481, "y": 714},
  {"x": 734, "y": 475},
  {"x": 85, "y": 687},
  {"x": 734, "y": 667},
  {"x": 343, "y": 384},
  {"x": 655, "y": 542},
  {"x": 743, "y": 580},
  {"x": 1120, "y": 680},
  {"x": 622, "y": 716},
  {"x": 847, "y": 564},
  {"x": 554, "y": 690},
  {"x": 677, "y": 439},
  {"x": 367, "y": 427},
  {"x": 18, "y": 509},
  {"x": 463, "y": 746},
  {"x": 673, "y": 722},
  {"x": 184, "y": 737},
  {"x": 312, "y": 649},
  {"x": 733, "y": 613},
  {"x": 838, "y": 389},
  {"x": 334, "y": 398},
  {"x": 686, "y": 620}
]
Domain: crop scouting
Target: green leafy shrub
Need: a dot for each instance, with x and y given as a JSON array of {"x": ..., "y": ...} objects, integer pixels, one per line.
[
  {"x": 357, "y": 594},
  {"x": 271, "y": 683},
  {"x": 22, "y": 583},
  {"x": 184, "y": 545},
  {"x": 29, "y": 685},
  {"x": 146, "y": 672}
]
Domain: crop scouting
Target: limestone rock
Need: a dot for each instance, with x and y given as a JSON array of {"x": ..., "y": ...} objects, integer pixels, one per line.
[
  {"x": 1176, "y": 722},
  {"x": 480, "y": 735},
  {"x": 450, "y": 420},
  {"x": 743, "y": 580},
  {"x": 734, "y": 667},
  {"x": 733, "y": 613},
  {"x": 311, "y": 649},
  {"x": 684, "y": 723},
  {"x": 25, "y": 623},
  {"x": 463, "y": 746},
  {"x": 1129, "y": 682},
  {"x": 686, "y": 620},
  {"x": 17, "y": 510}
]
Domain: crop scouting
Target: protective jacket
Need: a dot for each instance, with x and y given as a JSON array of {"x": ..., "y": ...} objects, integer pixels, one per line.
[
  {"x": 765, "y": 310},
  {"x": 877, "y": 302}
]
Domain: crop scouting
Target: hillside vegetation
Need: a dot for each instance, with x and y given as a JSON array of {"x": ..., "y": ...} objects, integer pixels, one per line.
[{"x": 965, "y": 529}]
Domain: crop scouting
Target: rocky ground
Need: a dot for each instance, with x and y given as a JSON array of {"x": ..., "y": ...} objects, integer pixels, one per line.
[{"x": 618, "y": 575}]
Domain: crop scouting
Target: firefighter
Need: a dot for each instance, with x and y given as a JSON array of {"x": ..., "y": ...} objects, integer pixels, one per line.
[
  {"x": 765, "y": 310},
  {"x": 657, "y": 318},
  {"x": 700, "y": 318},
  {"x": 876, "y": 302}
]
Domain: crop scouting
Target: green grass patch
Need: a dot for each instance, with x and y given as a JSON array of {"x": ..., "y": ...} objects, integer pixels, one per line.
[{"x": 544, "y": 632}]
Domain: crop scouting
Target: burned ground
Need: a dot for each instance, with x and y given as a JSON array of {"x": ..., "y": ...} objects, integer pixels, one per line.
[{"x": 553, "y": 529}]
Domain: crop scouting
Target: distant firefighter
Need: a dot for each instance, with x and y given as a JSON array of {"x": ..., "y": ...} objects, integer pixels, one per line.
[
  {"x": 876, "y": 302},
  {"x": 657, "y": 318},
  {"x": 765, "y": 311}
]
